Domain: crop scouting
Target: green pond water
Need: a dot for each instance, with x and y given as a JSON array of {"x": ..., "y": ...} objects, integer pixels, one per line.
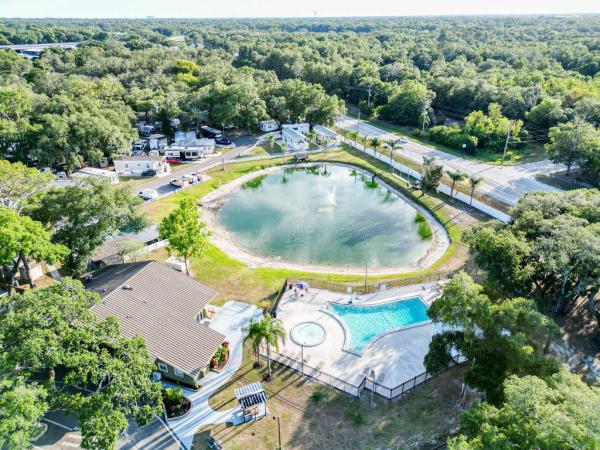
[{"x": 324, "y": 215}]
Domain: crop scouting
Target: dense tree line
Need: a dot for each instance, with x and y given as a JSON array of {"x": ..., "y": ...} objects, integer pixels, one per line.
[{"x": 538, "y": 72}]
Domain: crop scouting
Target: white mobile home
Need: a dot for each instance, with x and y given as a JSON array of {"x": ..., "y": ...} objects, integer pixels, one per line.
[
  {"x": 135, "y": 165},
  {"x": 325, "y": 135},
  {"x": 268, "y": 125},
  {"x": 303, "y": 128},
  {"x": 294, "y": 140},
  {"x": 197, "y": 149},
  {"x": 108, "y": 175}
]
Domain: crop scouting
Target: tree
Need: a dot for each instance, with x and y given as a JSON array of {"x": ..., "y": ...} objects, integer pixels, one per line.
[
  {"x": 491, "y": 129},
  {"x": 558, "y": 412},
  {"x": 407, "y": 104},
  {"x": 269, "y": 331},
  {"x": 547, "y": 114},
  {"x": 473, "y": 183},
  {"x": 456, "y": 177},
  {"x": 21, "y": 186},
  {"x": 23, "y": 239},
  {"x": 22, "y": 406},
  {"x": 44, "y": 329},
  {"x": 83, "y": 216},
  {"x": 186, "y": 232},
  {"x": 499, "y": 339},
  {"x": 432, "y": 174},
  {"x": 550, "y": 251},
  {"x": 573, "y": 142},
  {"x": 375, "y": 143},
  {"x": 297, "y": 101}
]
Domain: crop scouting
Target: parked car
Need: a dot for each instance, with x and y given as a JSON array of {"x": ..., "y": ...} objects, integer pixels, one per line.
[
  {"x": 148, "y": 194},
  {"x": 403, "y": 140},
  {"x": 149, "y": 173},
  {"x": 223, "y": 141},
  {"x": 192, "y": 179},
  {"x": 173, "y": 160},
  {"x": 179, "y": 182},
  {"x": 139, "y": 146}
]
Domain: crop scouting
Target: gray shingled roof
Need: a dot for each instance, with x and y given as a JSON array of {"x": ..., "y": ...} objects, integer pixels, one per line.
[
  {"x": 110, "y": 246},
  {"x": 160, "y": 304}
]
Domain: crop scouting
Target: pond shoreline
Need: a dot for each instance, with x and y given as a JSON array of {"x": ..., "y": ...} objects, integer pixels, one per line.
[{"x": 225, "y": 241}]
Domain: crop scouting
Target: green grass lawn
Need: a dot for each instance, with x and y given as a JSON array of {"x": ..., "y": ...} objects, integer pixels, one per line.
[
  {"x": 531, "y": 152},
  {"x": 234, "y": 280},
  {"x": 315, "y": 417},
  {"x": 265, "y": 147}
]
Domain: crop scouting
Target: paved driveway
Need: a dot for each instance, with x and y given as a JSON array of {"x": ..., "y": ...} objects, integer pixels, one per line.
[
  {"x": 504, "y": 183},
  {"x": 230, "y": 320}
]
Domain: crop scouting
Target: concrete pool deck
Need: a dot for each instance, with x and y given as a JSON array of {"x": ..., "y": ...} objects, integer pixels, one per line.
[{"x": 395, "y": 357}]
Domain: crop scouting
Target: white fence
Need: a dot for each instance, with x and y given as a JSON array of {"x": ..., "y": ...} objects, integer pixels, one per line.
[{"x": 145, "y": 250}]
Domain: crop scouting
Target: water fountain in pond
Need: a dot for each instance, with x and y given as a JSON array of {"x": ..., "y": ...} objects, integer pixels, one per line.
[{"x": 330, "y": 202}]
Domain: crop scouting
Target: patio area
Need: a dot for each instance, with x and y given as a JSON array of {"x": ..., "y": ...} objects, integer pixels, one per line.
[{"x": 395, "y": 357}]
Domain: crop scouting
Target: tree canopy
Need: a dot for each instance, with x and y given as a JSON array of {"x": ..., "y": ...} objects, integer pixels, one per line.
[
  {"x": 51, "y": 335},
  {"x": 499, "y": 339},
  {"x": 83, "y": 216},
  {"x": 559, "y": 412}
]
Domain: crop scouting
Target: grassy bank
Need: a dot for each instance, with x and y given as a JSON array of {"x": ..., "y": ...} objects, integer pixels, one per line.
[
  {"x": 314, "y": 417},
  {"x": 235, "y": 280}
]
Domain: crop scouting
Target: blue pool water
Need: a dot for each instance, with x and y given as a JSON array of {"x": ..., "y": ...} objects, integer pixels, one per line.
[{"x": 367, "y": 322}]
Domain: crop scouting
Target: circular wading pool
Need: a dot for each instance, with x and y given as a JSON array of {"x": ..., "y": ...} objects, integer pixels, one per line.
[{"x": 309, "y": 334}]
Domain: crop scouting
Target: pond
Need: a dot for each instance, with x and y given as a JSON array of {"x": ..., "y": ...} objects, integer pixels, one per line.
[{"x": 325, "y": 215}]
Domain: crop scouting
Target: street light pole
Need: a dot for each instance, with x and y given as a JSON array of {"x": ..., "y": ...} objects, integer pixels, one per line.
[
  {"x": 278, "y": 430},
  {"x": 302, "y": 357},
  {"x": 373, "y": 385}
]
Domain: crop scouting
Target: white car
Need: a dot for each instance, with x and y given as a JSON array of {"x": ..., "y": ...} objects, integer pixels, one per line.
[
  {"x": 403, "y": 140},
  {"x": 148, "y": 194}
]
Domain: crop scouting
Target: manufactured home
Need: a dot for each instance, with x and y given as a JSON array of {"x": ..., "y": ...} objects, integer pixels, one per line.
[{"x": 135, "y": 165}]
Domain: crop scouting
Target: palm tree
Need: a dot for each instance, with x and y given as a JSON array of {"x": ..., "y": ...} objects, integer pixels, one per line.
[
  {"x": 270, "y": 331},
  {"x": 456, "y": 177},
  {"x": 271, "y": 140},
  {"x": 474, "y": 182},
  {"x": 375, "y": 142},
  {"x": 353, "y": 135}
]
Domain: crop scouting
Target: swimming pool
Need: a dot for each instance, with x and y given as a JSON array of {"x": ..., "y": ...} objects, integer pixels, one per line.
[{"x": 364, "y": 323}]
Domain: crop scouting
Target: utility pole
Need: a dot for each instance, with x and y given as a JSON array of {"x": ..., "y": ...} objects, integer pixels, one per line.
[
  {"x": 510, "y": 122},
  {"x": 278, "y": 430}
]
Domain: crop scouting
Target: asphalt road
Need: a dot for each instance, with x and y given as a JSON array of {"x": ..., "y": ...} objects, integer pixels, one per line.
[
  {"x": 162, "y": 186},
  {"x": 504, "y": 183}
]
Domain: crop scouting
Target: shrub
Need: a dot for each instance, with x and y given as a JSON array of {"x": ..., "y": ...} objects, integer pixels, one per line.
[
  {"x": 424, "y": 230},
  {"x": 172, "y": 396},
  {"x": 453, "y": 137},
  {"x": 318, "y": 394}
]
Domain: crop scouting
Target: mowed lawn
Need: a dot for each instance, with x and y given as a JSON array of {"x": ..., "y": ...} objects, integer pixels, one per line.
[
  {"x": 234, "y": 280},
  {"x": 315, "y": 417}
]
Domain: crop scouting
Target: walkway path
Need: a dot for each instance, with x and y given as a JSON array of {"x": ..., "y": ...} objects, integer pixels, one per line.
[
  {"x": 231, "y": 320},
  {"x": 504, "y": 183}
]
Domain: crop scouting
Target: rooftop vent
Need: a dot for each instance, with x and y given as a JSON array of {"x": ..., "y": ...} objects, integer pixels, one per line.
[{"x": 127, "y": 287}]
